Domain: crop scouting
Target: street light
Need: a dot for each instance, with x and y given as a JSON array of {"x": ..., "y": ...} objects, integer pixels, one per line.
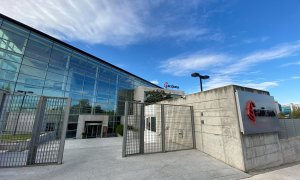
[
  {"x": 200, "y": 77},
  {"x": 24, "y": 94}
]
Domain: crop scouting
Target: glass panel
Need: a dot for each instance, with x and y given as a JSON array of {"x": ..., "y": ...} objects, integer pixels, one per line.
[
  {"x": 14, "y": 28},
  {"x": 54, "y": 84},
  {"x": 58, "y": 63},
  {"x": 86, "y": 105},
  {"x": 13, "y": 37},
  {"x": 88, "y": 89},
  {"x": 11, "y": 46},
  {"x": 1, "y": 33},
  {"x": 32, "y": 71},
  {"x": 23, "y": 87},
  {"x": 37, "y": 50},
  {"x": 102, "y": 87},
  {"x": 8, "y": 75},
  {"x": 53, "y": 92},
  {"x": 57, "y": 70},
  {"x": 75, "y": 96},
  {"x": 34, "y": 63},
  {"x": 7, "y": 85},
  {"x": 56, "y": 77},
  {"x": 43, "y": 40},
  {"x": 59, "y": 58},
  {"x": 8, "y": 65},
  {"x": 26, "y": 79},
  {"x": 76, "y": 87},
  {"x": 9, "y": 56}
]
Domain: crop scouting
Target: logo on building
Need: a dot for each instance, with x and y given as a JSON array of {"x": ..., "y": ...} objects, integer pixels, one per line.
[
  {"x": 166, "y": 85},
  {"x": 253, "y": 112},
  {"x": 250, "y": 111}
]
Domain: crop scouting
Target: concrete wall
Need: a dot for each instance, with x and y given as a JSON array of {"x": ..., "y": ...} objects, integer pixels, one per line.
[
  {"x": 216, "y": 124},
  {"x": 290, "y": 149},
  {"x": 261, "y": 151},
  {"x": 218, "y": 132},
  {"x": 83, "y": 118}
]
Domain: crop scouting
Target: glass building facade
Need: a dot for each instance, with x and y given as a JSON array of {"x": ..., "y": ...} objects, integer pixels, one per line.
[{"x": 33, "y": 61}]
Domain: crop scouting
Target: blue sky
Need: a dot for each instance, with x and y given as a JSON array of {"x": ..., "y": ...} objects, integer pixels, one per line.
[{"x": 250, "y": 43}]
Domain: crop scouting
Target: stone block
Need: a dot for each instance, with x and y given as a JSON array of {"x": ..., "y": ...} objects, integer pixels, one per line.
[
  {"x": 250, "y": 153},
  {"x": 259, "y": 150},
  {"x": 271, "y": 148},
  {"x": 270, "y": 138}
]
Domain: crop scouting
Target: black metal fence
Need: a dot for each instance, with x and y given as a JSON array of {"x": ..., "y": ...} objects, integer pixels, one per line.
[
  {"x": 32, "y": 129},
  {"x": 289, "y": 128},
  {"x": 157, "y": 128}
]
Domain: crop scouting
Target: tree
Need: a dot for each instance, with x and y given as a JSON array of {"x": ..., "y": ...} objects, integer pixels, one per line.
[
  {"x": 296, "y": 113},
  {"x": 280, "y": 116},
  {"x": 156, "y": 96}
]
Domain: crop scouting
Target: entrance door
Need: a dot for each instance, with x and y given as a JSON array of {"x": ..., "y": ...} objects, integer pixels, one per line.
[{"x": 92, "y": 129}]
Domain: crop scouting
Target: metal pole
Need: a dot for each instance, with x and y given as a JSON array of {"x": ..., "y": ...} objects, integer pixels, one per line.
[
  {"x": 125, "y": 130},
  {"x": 201, "y": 84},
  {"x": 63, "y": 132},
  {"x": 163, "y": 137},
  {"x": 36, "y": 131},
  {"x": 142, "y": 128},
  {"x": 16, "y": 126}
]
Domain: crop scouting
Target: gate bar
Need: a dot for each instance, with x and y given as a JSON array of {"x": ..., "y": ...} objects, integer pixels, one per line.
[
  {"x": 163, "y": 135},
  {"x": 125, "y": 130},
  {"x": 63, "y": 132},
  {"x": 35, "y": 137},
  {"x": 142, "y": 128}
]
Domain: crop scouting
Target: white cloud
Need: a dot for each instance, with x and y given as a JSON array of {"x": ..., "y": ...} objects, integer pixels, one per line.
[
  {"x": 296, "y": 77},
  {"x": 154, "y": 82},
  {"x": 291, "y": 64},
  {"x": 262, "y": 85},
  {"x": 219, "y": 63},
  {"x": 252, "y": 59},
  {"x": 117, "y": 22},
  {"x": 183, "y": 65}
]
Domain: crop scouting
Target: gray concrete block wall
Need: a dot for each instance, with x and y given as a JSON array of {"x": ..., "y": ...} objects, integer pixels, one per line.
[
  {"x": 290, "y": 149},
  {"x": 216, "y": 124},
  {"x": 261, "y": 151}
]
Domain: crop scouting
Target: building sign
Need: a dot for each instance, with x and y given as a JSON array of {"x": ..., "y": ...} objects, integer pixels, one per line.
[
  {"x": 256, "y": 113},
  {"x": 166, "y": 85}
]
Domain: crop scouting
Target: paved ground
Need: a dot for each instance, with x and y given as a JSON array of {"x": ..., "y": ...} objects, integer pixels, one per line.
[
  {"x": 101, "y": 159},
  {"x": 287, "y": 173}
]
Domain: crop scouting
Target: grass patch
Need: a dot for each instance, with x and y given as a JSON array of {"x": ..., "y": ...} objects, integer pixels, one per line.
[{"x": 17, "y": 137}]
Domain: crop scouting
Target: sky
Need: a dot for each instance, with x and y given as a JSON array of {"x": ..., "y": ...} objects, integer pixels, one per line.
[{"x": 250, "y": 43}]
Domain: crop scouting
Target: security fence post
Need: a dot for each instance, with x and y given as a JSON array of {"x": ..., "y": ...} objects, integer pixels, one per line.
[
  {"x": 63, "y": 132},
  {"x": 142, "y": 127},
  {"x": 193, "y": 126},
  {"x": 125, "y": 130},
  {"x": 2, "y": 112},
  {"x": 35, "y": 137},
  {"x": 163, "y": 138}
]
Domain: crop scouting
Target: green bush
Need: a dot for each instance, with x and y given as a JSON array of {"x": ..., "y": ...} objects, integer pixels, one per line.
[{"x": 119, "y": 129}]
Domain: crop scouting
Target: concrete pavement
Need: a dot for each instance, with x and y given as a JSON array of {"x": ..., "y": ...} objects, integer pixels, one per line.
[
  {"x": 101, "y": 159},
  {"x": 287, "y": 173}
]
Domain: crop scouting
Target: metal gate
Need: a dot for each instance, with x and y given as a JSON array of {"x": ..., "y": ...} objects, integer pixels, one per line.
[
  {"x": 157, "y": 128},
  {"x": 32, "y": 129}
]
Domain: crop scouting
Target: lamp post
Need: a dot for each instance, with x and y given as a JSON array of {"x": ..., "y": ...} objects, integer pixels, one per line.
[
  {"x": 200, "y": 77},
  {"x": 24, "y": 94}
]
